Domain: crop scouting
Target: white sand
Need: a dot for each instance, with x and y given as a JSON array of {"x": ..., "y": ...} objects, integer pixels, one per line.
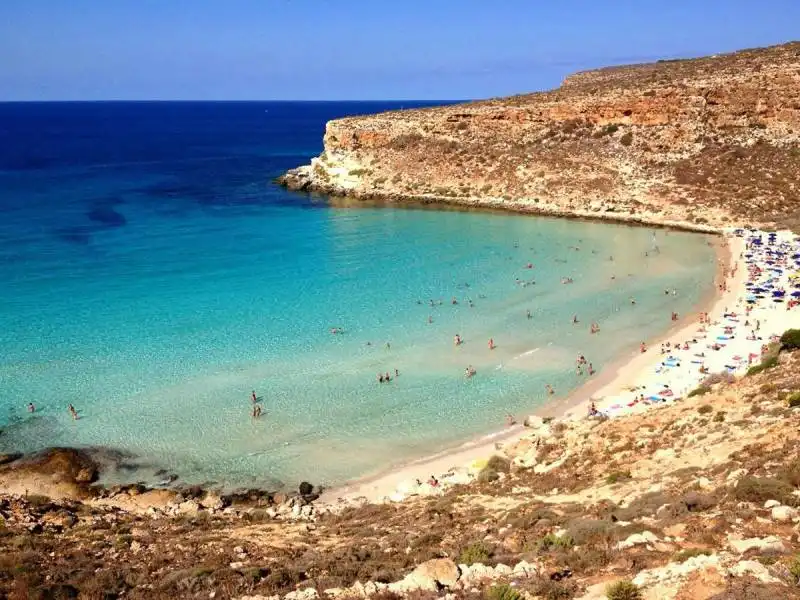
[{"x": 646, "y": 372}]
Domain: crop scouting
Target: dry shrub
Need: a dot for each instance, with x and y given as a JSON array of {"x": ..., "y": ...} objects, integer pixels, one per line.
[
  {"x": 590, "y": 531},
  {"x": 644, "y": 506},
  {"x": 761, "y": 489}
]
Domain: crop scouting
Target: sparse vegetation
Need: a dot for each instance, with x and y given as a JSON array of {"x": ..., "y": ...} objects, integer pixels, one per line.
[
  {"x": 793, "y": 400},
  {"x": 790, "y": 340},
  {"x": 502, "y": 591},
  {"x": 688, "y": 553},
  {"x": 705, "y": 409},
  {"x": 761, "y": 489},
  {"x": 699, "y": 391},
  {"x": 477, "y": 552},
  {"x": 617, "y": 476},
  {"x": 623, "y": 590},
  {"x": 794, "y": 569},
  {"x": 552, "y": 541}
]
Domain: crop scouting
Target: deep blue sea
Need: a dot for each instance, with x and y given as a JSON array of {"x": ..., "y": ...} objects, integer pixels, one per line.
[{"x": 153, "y": 276}]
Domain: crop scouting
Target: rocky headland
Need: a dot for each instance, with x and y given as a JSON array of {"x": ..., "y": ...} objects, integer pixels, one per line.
[{"x": 702, "y": 144}]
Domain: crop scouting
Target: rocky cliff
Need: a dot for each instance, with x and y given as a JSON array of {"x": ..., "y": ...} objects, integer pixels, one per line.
[{"x": 703, "y": 142}]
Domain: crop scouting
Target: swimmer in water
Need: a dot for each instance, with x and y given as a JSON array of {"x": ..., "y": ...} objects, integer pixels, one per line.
[
  {"x": 550, "y": 390},
  {"x": 73, "y": 412},
  {"x": 457, "y": 340},
  {"x": 253, "y": 397},
  {"x": 574, "y": 319},
  {"x": 529, "y": 315},
  {"x": 31, "y": 407}
]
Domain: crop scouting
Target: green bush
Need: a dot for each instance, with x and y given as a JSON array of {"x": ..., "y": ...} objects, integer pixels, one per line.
[
  {"x": 551, "y": 542},
  {"x": 761, "y": 489},
  {"x": 590, "y": 531},
  {"x": 790, "y": 340},
  {"x": 617, "y": 476},
  {"x": 794, "y": 568},
  {"x": 477, "y": 552},
  {"x": 685, "y": 555},
  {"x": 623, "y": 590},
  {"x": 793, "y": 400},
  {"x": 705, "y": 409},
  {"x": 502, "y": 591},
  {"x": 767, "y": 362},
  {"x": 499, "y": 464},
  {"x": 488, "y": 475},
  {"x": 699, "y": 391}
]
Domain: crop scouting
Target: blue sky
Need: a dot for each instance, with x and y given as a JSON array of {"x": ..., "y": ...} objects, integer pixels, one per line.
[{"x": 354, "y": 49}]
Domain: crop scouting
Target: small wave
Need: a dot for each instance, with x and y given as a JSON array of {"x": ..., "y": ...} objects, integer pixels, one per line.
[{"x": 528, "y": 353}]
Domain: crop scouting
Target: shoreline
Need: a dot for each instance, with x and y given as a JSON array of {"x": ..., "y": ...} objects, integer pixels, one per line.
[
  {"x": 300, "y": 182},
  {"x": 446, "y": 464}
]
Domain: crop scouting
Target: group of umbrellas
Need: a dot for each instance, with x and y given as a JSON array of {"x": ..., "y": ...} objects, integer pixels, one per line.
[{"x": 776, "y": 255}]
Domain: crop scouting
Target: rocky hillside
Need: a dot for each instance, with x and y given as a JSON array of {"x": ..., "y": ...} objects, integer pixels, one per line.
[
  {"x": 694, "y": 500},
  {"x": 702, "y": 142}
]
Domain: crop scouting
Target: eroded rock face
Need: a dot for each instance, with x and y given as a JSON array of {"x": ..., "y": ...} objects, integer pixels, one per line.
[
  {"x": 55, "y": 472},
  {"x": 698, "y": 142}
]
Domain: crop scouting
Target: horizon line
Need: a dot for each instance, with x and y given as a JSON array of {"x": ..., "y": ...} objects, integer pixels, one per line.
[{"x": 184, "y": 100}]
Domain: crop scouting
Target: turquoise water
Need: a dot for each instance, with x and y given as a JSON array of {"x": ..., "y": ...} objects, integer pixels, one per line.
[{"x": 158, "y": 325}]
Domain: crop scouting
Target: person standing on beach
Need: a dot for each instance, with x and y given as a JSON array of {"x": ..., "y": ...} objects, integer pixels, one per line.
[{"x": 491, "y": 344}]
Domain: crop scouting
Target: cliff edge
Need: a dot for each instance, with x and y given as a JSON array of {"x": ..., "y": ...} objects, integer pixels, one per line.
[{"x": 700, "y": 143}]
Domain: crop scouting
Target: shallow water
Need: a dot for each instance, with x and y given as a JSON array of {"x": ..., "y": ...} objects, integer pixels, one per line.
[{"x": 153, "y": 276}]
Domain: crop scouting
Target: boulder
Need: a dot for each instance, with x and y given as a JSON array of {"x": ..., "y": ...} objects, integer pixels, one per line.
[
  {"x": 771, "y": 504},
  {"x": 432, "y": 575},
  {"x": 767, "y": 544},
  {"x": 533, "y": 421},
  {"x": 9, "y": 457},
  {"x": 784, "y": 514},
  {"x": 306, "y": 594},
  {"x": 54, "y": 472},
  {"x": 188, "y": 507},
  {"x": 212, "y": 501},
  {"x": 636, "y": 539},
  {"x": 305, "y": 488}
]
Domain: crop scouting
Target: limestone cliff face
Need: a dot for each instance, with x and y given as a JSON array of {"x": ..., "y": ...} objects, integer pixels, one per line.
[{"x": 711, "y": 141}]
